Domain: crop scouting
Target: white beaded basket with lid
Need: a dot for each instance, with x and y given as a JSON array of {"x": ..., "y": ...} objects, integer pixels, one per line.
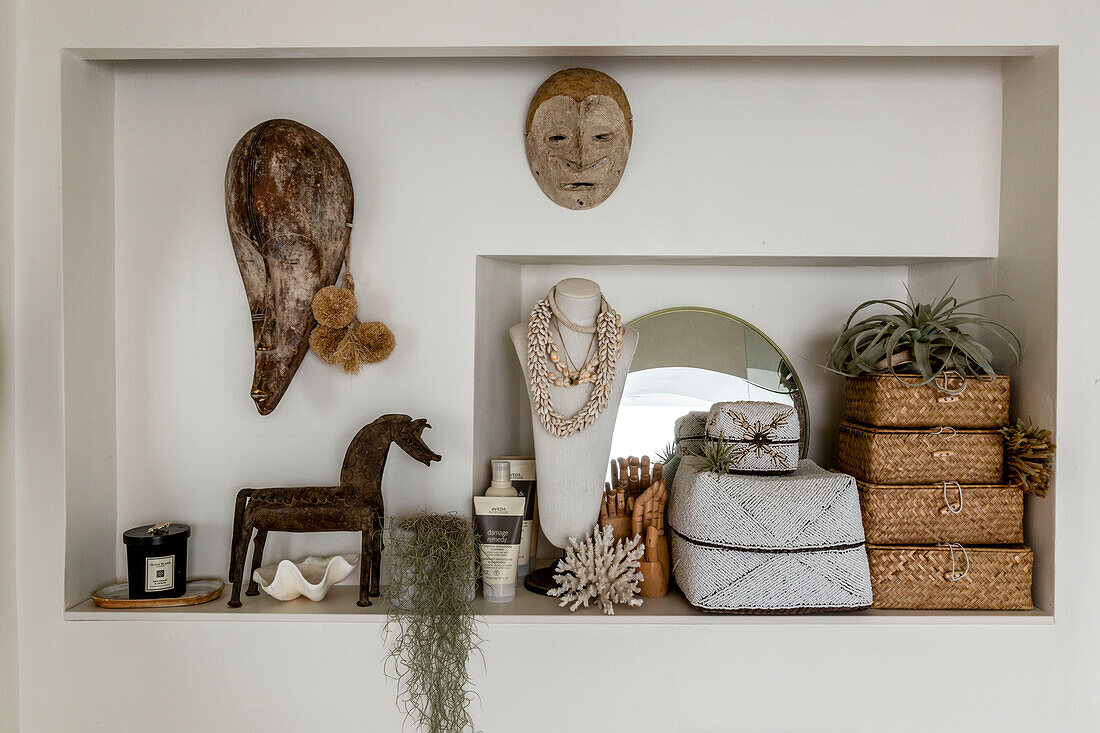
[
  {"x": 761, "y": 437},
  {"x": 691, "y": 433},
  {"x": 790, "y": 543},
  {"x": 690, "y": 437}
]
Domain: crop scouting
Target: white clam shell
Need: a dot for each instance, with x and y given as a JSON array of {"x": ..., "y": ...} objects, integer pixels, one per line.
[{"x": 311, "y": 577}]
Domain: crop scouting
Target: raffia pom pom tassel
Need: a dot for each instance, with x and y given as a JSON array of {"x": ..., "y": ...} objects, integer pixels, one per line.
[
  {"x": 376, "y": 341},
  {"x": 323, "y": 341},
  {"x": 365, "y": 343},
  {"x": 334, "y": 307}
]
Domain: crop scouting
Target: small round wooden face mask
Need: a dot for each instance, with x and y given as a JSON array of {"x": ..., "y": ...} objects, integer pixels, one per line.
[{"x": 578, "y": 137}]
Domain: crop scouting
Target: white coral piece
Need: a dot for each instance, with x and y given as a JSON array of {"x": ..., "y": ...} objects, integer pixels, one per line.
[{"x": 599, "y": 569}]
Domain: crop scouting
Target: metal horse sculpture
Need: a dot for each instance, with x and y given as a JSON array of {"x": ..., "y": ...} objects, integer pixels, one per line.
[{"x": 353, "y": 506}]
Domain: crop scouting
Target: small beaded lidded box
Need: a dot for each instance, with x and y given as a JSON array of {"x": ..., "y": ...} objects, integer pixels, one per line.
[{"x": 757, "y": 437}]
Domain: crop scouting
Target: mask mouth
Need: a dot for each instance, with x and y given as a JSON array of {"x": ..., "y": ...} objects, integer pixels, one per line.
[{"x": 578, "y": 186}]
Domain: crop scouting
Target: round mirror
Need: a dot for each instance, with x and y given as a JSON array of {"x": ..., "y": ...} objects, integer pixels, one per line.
[{"x": 690, "y": 358}]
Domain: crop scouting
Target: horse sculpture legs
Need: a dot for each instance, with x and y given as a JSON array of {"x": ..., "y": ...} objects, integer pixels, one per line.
[
  {"x": 367, "y": 564},
  {"x": 257, "y": 561},
  {"x": 376, "y": 558},
  {"x": 243, "y": 527}
]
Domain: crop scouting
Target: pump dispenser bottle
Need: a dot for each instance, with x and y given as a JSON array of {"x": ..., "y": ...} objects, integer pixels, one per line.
[
  {"x": 502, "y": 480},
  {"x": 499, "y": 518}
]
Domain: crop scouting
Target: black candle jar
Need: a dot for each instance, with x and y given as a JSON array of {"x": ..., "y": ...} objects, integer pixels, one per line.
[{"x": 156, "y": 560}]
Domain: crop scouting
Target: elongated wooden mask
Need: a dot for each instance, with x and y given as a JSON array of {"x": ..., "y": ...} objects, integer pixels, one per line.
[
  {"x": 289, "y": 205},
  {"x": 578, "y": 136}
]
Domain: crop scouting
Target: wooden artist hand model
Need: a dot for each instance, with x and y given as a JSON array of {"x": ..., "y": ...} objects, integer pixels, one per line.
[
  {"x": 649, "y": 521},
  {"x": 629, "y": 478},
  {"x": 634, "y": 504}
]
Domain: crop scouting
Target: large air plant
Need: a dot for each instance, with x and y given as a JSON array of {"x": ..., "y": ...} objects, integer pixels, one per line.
[{"x": 922, "y": 339}]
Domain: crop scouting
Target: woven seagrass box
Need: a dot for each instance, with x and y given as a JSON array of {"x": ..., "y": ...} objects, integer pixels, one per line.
[
  {"x": 894, "y": 456},
  {"x": 763, "y": 437},
  {"x": 768, "y": 544},
  {"x": 929, "y": 514},
  {"x": 951, "y": 577},
  {"x": 888, "y": 401}
]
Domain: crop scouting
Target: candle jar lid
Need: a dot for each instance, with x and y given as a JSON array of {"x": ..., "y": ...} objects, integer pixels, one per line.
[{"x": 156, "y": 534}]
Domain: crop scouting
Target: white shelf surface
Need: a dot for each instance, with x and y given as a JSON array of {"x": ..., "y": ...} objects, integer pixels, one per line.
[{"x": 529, "y": 608}]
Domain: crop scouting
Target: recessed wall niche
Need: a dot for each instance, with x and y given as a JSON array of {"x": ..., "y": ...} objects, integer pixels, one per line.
[{"x": 836, "y": 179}]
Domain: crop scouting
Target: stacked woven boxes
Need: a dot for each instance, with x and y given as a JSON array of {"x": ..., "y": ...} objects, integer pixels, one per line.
[{"x": 943, "y": 530}]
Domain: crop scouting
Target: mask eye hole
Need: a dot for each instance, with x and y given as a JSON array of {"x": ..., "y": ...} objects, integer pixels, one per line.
[
  {"x": 558, "y": 138},
  {"x": 603, "y": 137}
]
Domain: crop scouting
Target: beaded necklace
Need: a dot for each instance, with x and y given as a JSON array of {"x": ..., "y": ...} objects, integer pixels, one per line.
[{"x": 599, "y": 370}]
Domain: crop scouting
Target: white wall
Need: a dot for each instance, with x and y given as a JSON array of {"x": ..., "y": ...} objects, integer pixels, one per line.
[
  {"x": 9, "y": 659},
  {"x": 850, "y": 677}
]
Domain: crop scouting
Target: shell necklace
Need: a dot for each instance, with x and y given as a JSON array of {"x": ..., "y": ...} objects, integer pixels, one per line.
[{"x": 599, "y": 371}]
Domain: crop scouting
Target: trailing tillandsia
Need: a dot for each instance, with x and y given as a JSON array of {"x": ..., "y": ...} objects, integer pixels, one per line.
[
  {"x": 1029, "y": 457},
  {"x": 922, "y": 339},
  {"x": 434, "y": 571},
  {"x": 600, "y": 371},
  {"x": 339, "y": 337}
]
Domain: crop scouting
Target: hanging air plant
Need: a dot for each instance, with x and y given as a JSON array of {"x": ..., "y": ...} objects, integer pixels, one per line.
[
  {"x": 434, "y": 569},
  {"x": 923, "y": 339}
]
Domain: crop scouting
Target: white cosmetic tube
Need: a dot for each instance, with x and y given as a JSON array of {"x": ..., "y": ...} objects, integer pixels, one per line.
[{"x": 499, "y": 527}]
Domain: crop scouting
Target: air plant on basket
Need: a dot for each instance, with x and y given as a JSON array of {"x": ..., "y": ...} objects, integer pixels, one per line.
[
  {"x": 666, "y": 454},
  {"x": 925, "y": 340},
  {"x": 718, "y": 455}
]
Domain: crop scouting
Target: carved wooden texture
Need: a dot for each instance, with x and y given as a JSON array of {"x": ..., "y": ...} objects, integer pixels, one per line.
[
  {"x": 354, "y": 506},
  {"x": 634, "y": 505},
  {"x": 577, "y": 137},
  {"x": 289, "y": 206}
]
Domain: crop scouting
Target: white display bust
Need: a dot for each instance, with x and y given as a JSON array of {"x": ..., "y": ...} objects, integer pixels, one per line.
[{"x": 571, "y": 470}]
